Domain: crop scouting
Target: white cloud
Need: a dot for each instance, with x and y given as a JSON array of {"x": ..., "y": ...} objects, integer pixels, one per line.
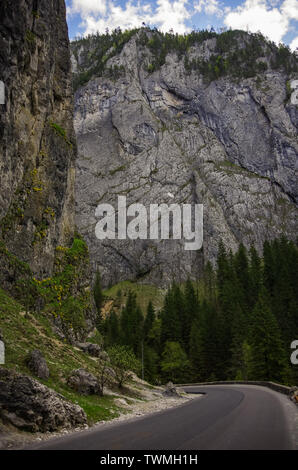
[
  {"x": 290, "y": 9},
  {"x": 171, "y": 15},
  {"x": 166, "y": 15},
  {"x": 210, "y": 7},
  {"x": 294, "y": 44},
  {"x": 264, "y": 16},
  {"x": 130, "y": 16},
  {"x": 85, "y": 7}
]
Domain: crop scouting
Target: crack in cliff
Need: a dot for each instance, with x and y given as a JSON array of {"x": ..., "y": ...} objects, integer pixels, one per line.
[{"x": 121, "y": 255}]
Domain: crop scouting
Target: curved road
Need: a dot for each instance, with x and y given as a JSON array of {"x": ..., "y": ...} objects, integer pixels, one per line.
[{"x": 226, "y": 417}]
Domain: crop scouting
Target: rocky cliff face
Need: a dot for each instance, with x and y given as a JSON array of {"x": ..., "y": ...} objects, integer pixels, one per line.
[
  {"x": 37, "y": 142},
  {"x": 43, "y": 263},
  {"x": 166, "y": 134}
]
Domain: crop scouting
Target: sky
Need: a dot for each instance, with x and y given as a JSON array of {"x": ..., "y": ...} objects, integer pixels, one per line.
[{"x": 276, "y": 19}]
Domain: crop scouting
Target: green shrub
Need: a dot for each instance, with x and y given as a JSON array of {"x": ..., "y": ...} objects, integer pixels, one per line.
[
  {"x": 123, "y": 362},
  {"x": 61, "y": 132}
]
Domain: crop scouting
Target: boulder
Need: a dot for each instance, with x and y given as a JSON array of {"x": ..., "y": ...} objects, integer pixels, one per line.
[
  {"x": 37, "y": 364},
  {"x": 83, "y": 382},
  {"x": 120, "y": 402},
  {"x": 104, "y": 357},
  {"x": 92, "y": 349},
  {"x": 82, "y": 346},
  {"x": 31, "y": 406},
  {"x": 171, "y": 391},
  {"x": 109, "y": 371}
]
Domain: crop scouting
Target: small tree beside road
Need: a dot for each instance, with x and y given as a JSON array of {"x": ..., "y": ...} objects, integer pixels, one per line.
[
  {"x": 123, "y": 362},
  {"x": 104, "y": 375}
]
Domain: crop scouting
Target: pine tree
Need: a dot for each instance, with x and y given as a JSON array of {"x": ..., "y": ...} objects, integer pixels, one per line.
[
  {"x": 239, "y": 336},
  {"x": 112, "y": 330},
  {"x": 138, "y": 328},
  {"x": 244, "y": 371},
  {"x": 174, "y": 364},
  {"x": 209, "y": 283},
  {"x": 149, "y": 320},
  {"x": 269, "y": 270},
  {"x": 196, "y": 352},
  {"x": 255, "y": 276},
  {"x": 242, "y": 276},
  {"x": 267, "y": 353},
  {"x": 284, "y": 291},
  {"x": 190, "y": 312},
  {"x": 131, "y": 323},
  {"x": 207, "y": 344},
  {"x": 239, "y": 326},
  {"x": 231, "y": 299},
  {"x": 172, "y": 315},
  {"x": 151, "y": 364},
  {"x": 179, "y": 313}
]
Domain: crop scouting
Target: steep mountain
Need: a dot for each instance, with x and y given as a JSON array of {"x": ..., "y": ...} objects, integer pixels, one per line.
[
  {"x": 42, "y": 261},
  {"x": 203, "y": 118}
]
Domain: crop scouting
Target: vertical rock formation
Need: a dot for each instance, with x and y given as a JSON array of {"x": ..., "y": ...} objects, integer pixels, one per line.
[
  {"x": 42, "y": 263},
  {"x": 37, "y": 144}
]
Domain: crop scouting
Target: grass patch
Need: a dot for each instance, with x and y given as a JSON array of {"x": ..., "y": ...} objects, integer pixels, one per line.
[
  {"x": 24, "y": 332},
  {"x": 30, "y": 36},
  {"x": 61, "y": 132},
  {"x": 120, "y": 168},
  {"x": 144, "y": 293},
  {"x": 232, "y": 168}
]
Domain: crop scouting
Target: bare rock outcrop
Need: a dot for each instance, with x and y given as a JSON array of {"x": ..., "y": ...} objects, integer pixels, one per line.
[
  {"x": 37, "y": 162},
  {"x": 83, "y": 382},
  {"x": 171, "y": 391},
  {"x": 170, "y": 136},
  {"x": 92, "y": 349},
  {"x": 31, "y": 406},
  {"x": 37, "y": 141},
  {"x": 38, "y": 365}
]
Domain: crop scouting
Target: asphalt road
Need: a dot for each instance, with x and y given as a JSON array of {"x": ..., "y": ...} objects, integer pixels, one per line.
[{"x": 226, "y": 417}]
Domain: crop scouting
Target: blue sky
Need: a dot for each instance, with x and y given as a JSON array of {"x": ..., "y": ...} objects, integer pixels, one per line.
[{"x": 276, "y": 19}]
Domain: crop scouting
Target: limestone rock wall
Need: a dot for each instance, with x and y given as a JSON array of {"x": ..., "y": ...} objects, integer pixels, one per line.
[
  {"x": 167, "y": 137},
  {"x": 37, "y": 141}
]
